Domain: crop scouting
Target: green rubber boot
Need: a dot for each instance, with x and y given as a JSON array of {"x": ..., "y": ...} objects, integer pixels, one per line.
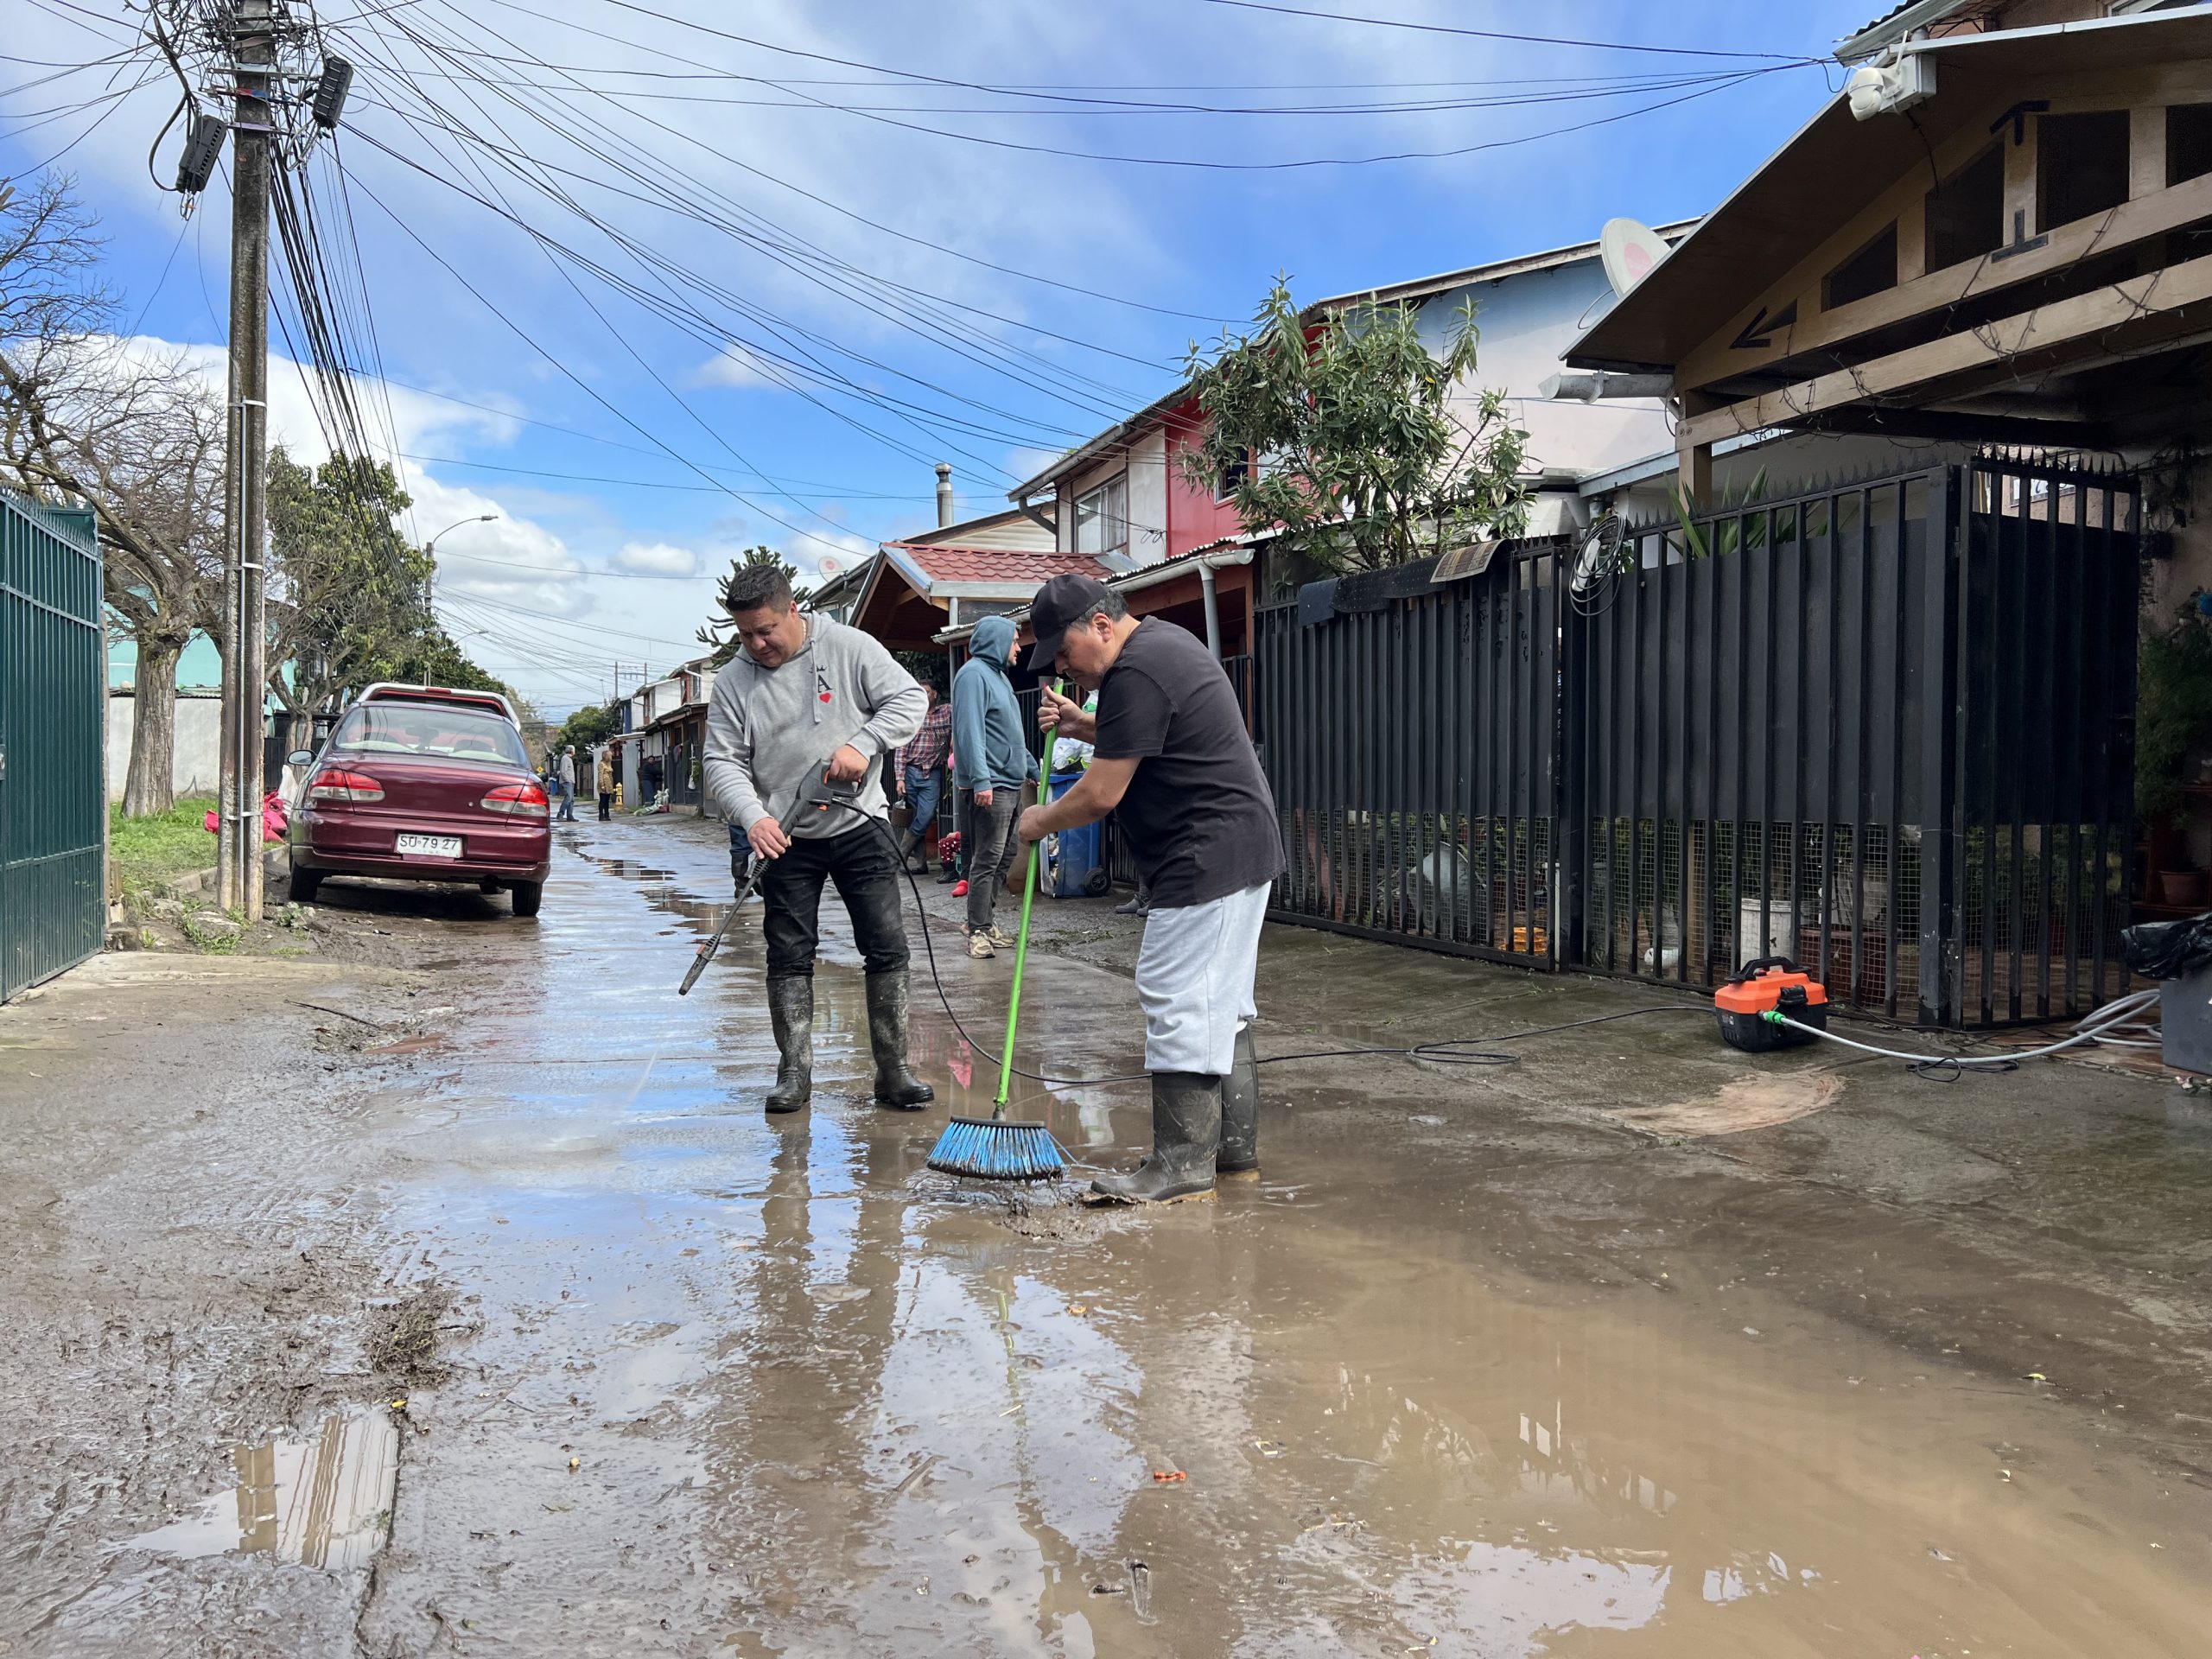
[
  {"x": 1186, "y": 1134},
  {"x": 791, "y": 1010},
  {"x": 1240, "y": 1112},
  {"x": 895, "y": 1086}
]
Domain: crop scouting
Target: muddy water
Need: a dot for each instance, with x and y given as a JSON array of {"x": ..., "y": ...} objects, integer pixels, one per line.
[{"x": 771, "y": 1387}]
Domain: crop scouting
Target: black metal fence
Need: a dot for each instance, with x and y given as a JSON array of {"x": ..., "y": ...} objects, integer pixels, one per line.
[
  {"x": 1884, "y": 727},
  {"x": 1412, "y": 748}
]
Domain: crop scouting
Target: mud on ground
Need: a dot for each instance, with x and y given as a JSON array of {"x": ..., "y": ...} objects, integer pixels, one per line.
[{"x": 1637, "y": 1344}]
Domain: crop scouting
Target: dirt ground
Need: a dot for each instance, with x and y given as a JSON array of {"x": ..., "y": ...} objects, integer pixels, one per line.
[{"x": 414, "y": 1279}]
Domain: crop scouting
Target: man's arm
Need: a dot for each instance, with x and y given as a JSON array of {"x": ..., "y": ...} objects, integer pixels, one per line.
[
  {"x": 1064, "y": 717},
  {"x": 1097, "y": 792},
  {"x": 894, "y": 698},
  {"x": 727, "y": 756},
  {"x": 968, "y": 746}
]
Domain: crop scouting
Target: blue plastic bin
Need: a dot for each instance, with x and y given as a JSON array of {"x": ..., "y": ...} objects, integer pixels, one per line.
[{"x": 1074, "y": 863}]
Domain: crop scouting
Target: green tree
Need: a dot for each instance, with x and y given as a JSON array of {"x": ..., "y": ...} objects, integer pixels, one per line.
[
  {"x": 1345, "y": 433},
  {"x": 590, "y": 727},
  {"x": 718, "y": 637},
  {"x": 346, "y": 589}
]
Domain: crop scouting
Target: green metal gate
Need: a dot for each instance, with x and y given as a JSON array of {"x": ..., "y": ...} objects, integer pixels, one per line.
[{"x": 52, "y": 707}]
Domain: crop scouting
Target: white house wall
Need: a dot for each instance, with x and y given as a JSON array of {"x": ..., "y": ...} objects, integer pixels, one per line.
[{"x": 1525, "y": 322}]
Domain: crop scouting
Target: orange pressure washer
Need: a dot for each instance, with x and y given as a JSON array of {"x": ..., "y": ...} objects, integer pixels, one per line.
[{"x": 1771, "y": 985}]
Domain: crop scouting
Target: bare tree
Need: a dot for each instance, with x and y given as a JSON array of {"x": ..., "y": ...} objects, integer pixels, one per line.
[{"x": 138, "y": 436}]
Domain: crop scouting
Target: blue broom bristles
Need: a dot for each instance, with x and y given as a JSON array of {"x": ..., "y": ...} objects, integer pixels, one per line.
[{"x": 993, "y": 1149}]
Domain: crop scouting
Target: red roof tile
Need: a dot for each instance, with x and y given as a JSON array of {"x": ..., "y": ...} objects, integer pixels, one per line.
[{"x": 943, "y": 562}]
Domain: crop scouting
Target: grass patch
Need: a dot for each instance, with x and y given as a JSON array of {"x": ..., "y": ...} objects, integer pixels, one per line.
[{"x": 159, "y": 848}]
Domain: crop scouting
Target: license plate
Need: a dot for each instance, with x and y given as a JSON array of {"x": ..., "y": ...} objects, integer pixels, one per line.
[{"x": 429, "y": 846}]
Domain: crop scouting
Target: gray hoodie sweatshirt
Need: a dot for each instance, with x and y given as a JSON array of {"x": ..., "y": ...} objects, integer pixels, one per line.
[{"x": 767, "y": 727}]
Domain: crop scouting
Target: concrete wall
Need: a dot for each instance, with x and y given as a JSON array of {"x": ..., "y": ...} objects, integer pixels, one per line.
[{"x": 199, "y": 744}]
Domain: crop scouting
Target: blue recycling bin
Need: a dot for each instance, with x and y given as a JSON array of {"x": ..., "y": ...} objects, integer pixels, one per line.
[{"x": 1074, "y": 863}]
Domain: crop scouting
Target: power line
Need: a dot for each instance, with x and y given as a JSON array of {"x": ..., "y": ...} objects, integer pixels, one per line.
[{"x": 1782, "y": 58}]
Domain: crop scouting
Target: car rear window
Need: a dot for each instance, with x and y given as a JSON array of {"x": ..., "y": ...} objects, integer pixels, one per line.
[{"x": 450, "y": 734}]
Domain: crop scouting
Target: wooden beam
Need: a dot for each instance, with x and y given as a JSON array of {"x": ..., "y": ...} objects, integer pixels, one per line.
[
  {"x": 1957, "y": 426},
  {"x": 2146, "y": 150},
  {"x": 2061, "y": 322},
  {"x": 2132, "y": 222}
]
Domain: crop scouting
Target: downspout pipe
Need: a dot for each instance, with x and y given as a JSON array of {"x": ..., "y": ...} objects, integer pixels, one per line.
[{"x": 1213, "y": 607}]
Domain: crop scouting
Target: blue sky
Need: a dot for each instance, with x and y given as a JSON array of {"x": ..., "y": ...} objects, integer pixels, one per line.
[{"x": 690, "y": 433}]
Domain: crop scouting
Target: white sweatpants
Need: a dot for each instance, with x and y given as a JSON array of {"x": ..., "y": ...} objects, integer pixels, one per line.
[{"x": 1194, "y": 978}]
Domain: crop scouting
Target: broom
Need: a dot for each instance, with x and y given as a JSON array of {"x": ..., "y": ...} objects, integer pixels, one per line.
[{"x": 991, "y": 1148}]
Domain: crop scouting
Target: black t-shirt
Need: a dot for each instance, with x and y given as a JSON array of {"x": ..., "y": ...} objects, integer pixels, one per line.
[{"x": 1199, "y": 814}]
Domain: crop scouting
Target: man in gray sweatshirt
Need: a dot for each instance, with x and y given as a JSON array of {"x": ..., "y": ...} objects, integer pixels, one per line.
[{"x": 804, "y": 695}]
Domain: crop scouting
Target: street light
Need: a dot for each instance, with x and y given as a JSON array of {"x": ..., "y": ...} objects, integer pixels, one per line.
[
  {"x": 430, "y": 583},
  {"x": 429, "y": 550}
]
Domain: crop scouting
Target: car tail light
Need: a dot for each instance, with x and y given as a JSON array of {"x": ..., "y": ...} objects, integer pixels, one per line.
[
  {"x": 515, "y": 800},
  {"x": 331, "y": 785}
]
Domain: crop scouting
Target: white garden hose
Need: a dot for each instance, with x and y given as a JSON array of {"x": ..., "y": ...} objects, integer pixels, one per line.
[{"x": 2102, "y": 1025}]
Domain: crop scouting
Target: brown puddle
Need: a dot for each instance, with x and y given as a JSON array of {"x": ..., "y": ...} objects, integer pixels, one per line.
[
  {"x": 324, "y": 1501},
  {"x": 1758, "y": 1102}
]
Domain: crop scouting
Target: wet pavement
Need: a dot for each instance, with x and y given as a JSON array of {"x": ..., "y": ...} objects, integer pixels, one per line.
[{"x": 1638, "y": 1347}]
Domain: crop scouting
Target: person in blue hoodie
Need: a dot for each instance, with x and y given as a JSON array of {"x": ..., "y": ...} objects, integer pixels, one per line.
[{"x": 990, "y": 764}]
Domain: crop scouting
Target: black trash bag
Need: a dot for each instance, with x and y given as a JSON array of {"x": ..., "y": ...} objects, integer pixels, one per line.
[{"x": 2168, "y": 950}]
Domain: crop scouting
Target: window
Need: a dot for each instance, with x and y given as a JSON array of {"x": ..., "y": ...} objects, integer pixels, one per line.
[
  {"x": 1966, "y": 212},
  {"x": 1232, "y": 478},
  {"x": 1102, "y": 517},
  {"x": 452, "y": 732},
  {"x": 2081, "y": 166},
  {"x": 2189, "y": 143},
  {"x": 1869, "y": 271}
]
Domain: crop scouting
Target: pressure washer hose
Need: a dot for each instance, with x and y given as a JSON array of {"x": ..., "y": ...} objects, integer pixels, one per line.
[{"x": 2099, "y": 1026}]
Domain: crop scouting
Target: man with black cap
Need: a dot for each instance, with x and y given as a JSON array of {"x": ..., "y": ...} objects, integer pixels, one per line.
[{"x": 1173, "y": 762}]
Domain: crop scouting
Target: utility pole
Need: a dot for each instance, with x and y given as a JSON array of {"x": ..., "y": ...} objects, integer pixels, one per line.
[{"x": 253, "y": 59}]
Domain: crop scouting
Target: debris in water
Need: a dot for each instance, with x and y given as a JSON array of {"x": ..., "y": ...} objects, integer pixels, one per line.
[
  {"x": 574, "y": 1463},
  {"x": 1141, "y": 1590},
  {"x": 1270, "y": 1448},
  {"x": 1169, "y": 1475}
]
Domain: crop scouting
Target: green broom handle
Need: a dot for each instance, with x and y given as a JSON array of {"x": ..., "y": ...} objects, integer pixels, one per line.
[{"x": 1013, "y": 1001}]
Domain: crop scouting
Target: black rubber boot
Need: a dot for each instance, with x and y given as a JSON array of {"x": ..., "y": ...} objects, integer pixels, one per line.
[
  {"x": 1240, "y": 1112},
  {"x": 895, "y": 1086},
  {"x": 910, "y": 855},
  {"x": 791, "y": 1009},
  {"x": 1185, "y": 1133}
]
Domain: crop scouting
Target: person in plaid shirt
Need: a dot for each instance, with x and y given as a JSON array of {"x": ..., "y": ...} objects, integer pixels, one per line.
[{"x": 921, "y": 774}]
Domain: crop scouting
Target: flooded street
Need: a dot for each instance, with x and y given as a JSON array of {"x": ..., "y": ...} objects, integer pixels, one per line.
[{"x": 1624, "y": 1350}]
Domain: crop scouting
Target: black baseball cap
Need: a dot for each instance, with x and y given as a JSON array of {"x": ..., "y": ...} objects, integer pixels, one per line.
[{"x": 1057, "y": 604}]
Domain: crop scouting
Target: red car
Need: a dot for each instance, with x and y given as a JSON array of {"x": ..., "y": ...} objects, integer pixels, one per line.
[{"x": 423, "y": 784}]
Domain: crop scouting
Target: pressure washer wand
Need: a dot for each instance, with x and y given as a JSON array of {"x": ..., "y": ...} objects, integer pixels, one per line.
[{"x": 822, "y": 796}]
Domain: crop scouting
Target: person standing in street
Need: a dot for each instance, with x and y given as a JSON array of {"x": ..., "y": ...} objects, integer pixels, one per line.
[
  {"x": 564, "y": 781},
  {"x": 1171, "y": 760},
  {"x": 804, "y": 695},
  {"x": 921, "y": 774},
  {"x": 991, "y": 764},
  {"x": 605, "y": 782}
]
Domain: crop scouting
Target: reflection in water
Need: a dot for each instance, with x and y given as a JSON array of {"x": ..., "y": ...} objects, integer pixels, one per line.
[{"x": 324, "y": 1501}]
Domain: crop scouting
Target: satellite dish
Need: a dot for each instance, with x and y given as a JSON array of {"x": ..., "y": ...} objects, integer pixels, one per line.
[
  {"x": 1627, "y": 250},
  {"x": 828, "y": 566}
]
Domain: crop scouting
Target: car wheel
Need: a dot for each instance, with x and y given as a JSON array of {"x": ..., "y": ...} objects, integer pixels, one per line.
[
  {"x": 305, "y": 884},
  {"x": 526, "y": 895}
]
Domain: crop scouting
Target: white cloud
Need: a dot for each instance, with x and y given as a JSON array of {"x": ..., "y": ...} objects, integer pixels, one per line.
[
  {"x": 731, "y": 368},
  {"x": 657, "y": 559}
]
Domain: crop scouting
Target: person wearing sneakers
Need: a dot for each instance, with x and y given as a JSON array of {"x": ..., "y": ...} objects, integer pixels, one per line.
[
  {"x": 1172, "y": 761},
  {"x": 990, "y": 764},
  {"x": 803, "y": 691}
]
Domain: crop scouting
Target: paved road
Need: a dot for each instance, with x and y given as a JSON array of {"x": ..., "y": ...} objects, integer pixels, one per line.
[{"x": 1578, "y": 1358}]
